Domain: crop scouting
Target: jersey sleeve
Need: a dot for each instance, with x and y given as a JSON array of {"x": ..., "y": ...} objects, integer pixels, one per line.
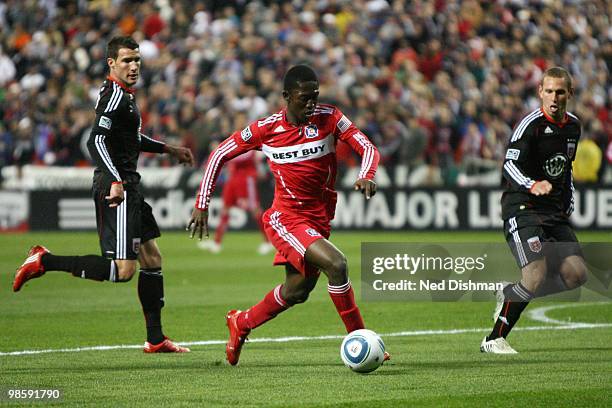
[
  {"x": 517, "y": 156},
  {"x": 568, "y": 199},
  {"x": 238, "y": 143},
  {"x": 346, "y": 131},
  {"x": 107, "y": 107},
  {"x": 150, "y": 145}
]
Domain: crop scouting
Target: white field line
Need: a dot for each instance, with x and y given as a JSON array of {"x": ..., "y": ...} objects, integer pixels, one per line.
[{"x": 538, "y": 314}]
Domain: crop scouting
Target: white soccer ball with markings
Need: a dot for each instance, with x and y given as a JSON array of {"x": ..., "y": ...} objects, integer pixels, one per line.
[{"x": 362, "y": 351}]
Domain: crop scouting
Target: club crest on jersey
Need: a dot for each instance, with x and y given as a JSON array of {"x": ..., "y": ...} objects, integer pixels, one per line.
[
  {"x": 312, "y": 232},
  {"x": 136, "y": 245},
  {"x": 571, "y": 149},
  {"x": 246, "y": 134},
  {"x": 534, "y": 244},
  {"x": 555, "y": 166},
  {"x": 311, "y": 131}
]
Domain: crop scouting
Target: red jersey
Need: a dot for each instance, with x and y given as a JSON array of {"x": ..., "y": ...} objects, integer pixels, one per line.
[{"x": 302, "y": 158}]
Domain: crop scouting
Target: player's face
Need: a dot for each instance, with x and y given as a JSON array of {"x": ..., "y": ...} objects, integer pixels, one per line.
[
  {"x": 301, "y": 101},
  {"x": 555, "y": 93},
  {"x": 126, "y": 68}
]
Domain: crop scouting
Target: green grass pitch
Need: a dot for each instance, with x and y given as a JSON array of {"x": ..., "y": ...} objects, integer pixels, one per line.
[{"x": 555, "y": 366}]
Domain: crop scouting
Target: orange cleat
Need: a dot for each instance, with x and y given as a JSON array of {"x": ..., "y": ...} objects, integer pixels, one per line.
[
  {"x": 236, "y": 339},
  {"x": 32, "y": 267},
  {"x": 166, "y": 346}
]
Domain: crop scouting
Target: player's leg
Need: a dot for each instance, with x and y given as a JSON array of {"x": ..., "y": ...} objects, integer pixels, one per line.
[
  {"x": 526, "y": 245},
  {"x": 222, "y": 227},
  {"x": 569, "y": 268},
  {"x": 294, "y": 290},
  {"x": 151, "y": 279},
  {"x": 93, "y": 267},
  {"x": 325, "y": 256}
]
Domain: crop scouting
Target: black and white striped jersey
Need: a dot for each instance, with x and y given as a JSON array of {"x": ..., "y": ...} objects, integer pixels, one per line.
[
  {"x": 540, "y": 149},
  {"x": 115, "y": 141}
]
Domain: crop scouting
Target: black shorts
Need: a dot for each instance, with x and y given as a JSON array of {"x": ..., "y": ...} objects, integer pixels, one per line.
[
  {"x": 124, "y": 228},
  {"x": 533, "y": 237}
]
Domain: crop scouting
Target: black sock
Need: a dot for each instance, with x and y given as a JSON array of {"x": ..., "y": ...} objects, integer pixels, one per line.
[
  {"x": 92, "y": 267},
  {"x": 151, "y": 294},
  {"x": 516, "y": 299}
]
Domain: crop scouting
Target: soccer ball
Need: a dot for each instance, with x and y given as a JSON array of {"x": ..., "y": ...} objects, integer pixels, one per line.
[{"x": 362, "y": 351}]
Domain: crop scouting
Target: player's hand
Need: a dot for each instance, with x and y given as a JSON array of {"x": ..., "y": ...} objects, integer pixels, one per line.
[
  {"x": 367, "y": 187},
  {"x": 182, "y": 154},
  {"x": 199, "y": 222},
  {"x": 115, "y": 197},
  {"x": 542, "y": 187}
]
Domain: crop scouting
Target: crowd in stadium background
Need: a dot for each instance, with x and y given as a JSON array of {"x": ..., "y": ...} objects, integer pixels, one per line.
[{"x": 435, "y": 84}]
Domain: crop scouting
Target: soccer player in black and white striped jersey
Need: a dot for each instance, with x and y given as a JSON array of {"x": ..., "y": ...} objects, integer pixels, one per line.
[
  {"x": 125, "y": 222},
  {"x": 536, "y": 205}
]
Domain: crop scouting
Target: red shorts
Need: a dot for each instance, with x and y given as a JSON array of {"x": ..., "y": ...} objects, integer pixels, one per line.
[
  {"x": 291, "y": 235},
  {"x": 241, "y": 191}
]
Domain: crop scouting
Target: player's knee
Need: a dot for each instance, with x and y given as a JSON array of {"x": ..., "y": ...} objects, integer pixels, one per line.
[
  {"x": 125, "y": 272},
  {"x": 577, "y": 276},
  {"x": 338, "y": 270}
]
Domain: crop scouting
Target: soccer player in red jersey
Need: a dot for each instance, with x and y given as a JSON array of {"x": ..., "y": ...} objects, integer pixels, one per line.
[
  {"x": 240, "y": 190},
  {"x": 299, "y": 142}
]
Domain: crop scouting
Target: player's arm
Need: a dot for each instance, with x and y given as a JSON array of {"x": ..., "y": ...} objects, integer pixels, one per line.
[
  {"x": 568, "y": 199},
  {"x": 182, "y": 154},
  {"x": 516, "y": 157},
  {"x": 347, "y": 132},
  {"x": 97, "y": 144},
  {"x": 238, "y": 143}
]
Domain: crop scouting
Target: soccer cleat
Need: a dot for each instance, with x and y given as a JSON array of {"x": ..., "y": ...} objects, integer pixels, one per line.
[
  {"x": 237, "y": 337},
  {"x": 210, "y": 246},
  {"x": 31, "y": 268},
  {"x": 500, "y": 298},
  {"x": 166, "y": 346},
  {"x": 496, "y": 346},
  {"x": 265, "y": 248}
]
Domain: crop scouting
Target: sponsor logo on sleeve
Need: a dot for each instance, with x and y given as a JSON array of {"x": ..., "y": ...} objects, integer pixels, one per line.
[
  {"x": 513, "y": 154},
  {"x": 105, "y": 122},
  {"x": 246, "y": 134},
  {"x": 343, "y": 124},
  {"x": 571, "y": 149}
]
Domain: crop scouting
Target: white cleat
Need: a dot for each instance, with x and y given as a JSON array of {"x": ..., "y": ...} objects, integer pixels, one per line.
[
  {"x": 265, "y": 248},
  {"x": 499, "y": 297},
  {"x": 210, "y": 246},
  {"x": 496, "y": 346}
]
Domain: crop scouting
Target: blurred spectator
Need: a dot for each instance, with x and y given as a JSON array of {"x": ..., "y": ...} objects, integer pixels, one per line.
[
  {"x": 437, "y": 84},
  {"x": 587, "y": 163}
]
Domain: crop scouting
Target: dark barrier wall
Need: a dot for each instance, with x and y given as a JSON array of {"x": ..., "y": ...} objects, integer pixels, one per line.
[{"x": 389, "y": 209}]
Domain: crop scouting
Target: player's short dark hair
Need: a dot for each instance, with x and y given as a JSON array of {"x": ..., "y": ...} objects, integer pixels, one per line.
[
  {"x": 297, "y": 74},
  {"x": 558, "y": 72},
  {"x": 116, "y": 43}
]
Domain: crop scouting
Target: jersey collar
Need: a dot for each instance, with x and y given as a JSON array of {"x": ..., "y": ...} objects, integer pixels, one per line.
[
  {"x": 125, "y": 88},
  {"x": 562, "y": 123}
]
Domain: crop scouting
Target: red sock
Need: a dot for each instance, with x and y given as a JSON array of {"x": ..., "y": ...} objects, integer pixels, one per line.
[
  {"x": 344, "y": 299},
  {"x": 221, "y": 227},
  {"x": 271, "y": 305}
]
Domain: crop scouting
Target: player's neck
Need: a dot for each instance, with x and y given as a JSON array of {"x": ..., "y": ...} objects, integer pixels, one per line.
[
  {"x": 121, "y": 83},
  {"x": 557, "y": 118},
  {"x": 291, "y": 118}
]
